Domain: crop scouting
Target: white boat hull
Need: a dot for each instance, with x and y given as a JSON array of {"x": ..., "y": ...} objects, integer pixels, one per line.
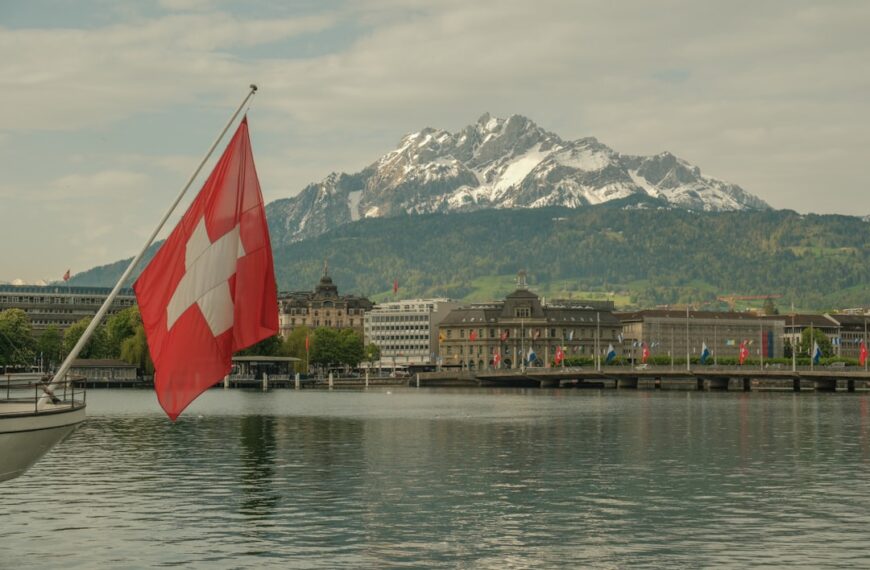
[{"x": 25, "y": 436}]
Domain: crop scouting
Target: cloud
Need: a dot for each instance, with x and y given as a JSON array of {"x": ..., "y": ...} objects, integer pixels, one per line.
[{"x": 771, "y": 96}]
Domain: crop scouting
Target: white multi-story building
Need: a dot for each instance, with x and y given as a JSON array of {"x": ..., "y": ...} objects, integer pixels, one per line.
[{"x": 407, "y": 331}]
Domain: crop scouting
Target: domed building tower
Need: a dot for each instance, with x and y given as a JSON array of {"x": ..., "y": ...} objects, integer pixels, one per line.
[{"x": 323, "y": 307}]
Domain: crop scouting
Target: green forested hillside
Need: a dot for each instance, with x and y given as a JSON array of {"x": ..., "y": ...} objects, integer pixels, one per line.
[{"x": 640, "y": 257}]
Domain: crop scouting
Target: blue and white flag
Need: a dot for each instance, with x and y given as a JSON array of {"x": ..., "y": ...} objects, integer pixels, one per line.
[
  {"x": 532, "y": 356},
  {"x": 817, "y": 353},
  {"x": 571, "y": 334},
  {"x": 705, "y": 353},
  {"x": 611, "y": 354},
  {"x": 619, "y": 337},
  {"x": 835, "y": 341}
]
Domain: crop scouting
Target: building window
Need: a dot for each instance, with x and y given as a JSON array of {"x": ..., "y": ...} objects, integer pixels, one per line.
[{"x": 523, "y": 312}]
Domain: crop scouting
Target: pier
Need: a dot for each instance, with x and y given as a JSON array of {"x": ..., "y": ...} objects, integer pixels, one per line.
[{"x": 731, "y": 378}]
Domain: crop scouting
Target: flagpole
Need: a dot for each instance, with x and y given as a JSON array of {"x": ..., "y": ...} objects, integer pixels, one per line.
[
  {"x": 793, "y": 343},
  {"x": 688, "y": 353},
  {"x": 865, "y": 344},
  {"x": 65, "y": 366},
  {"x": 761, "y": 346},
  {"x": 597, "y": 343}
]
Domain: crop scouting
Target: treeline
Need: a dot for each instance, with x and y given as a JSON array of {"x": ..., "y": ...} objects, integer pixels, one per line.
[{"x": 122, "y": 337}]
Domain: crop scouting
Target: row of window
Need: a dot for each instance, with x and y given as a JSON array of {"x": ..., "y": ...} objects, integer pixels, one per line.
[
  {"x": 535, "y": 333},
  {"x": 5, "y": 299},
  {"x": 399, "y": 318},
  {"x": 316, "y": 312}
]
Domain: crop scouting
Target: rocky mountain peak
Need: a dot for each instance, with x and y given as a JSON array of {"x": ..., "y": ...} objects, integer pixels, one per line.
[{"x": 498, "y": 163}]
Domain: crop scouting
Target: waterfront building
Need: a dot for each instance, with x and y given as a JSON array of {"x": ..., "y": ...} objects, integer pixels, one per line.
[
  {"x": 852, "y": 329},
  {"x": 406, "y": 332},
  {"x": 678, "y": 333},
  {"x": 323, "y": 307},
  {"x": 795, "y": 324},
  {"x": 522, "y": 325},
  {"x": 60, "y": 305}
]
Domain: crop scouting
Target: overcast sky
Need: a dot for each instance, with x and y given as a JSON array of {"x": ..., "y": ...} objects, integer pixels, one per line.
[{"x": 107, "y": 105}]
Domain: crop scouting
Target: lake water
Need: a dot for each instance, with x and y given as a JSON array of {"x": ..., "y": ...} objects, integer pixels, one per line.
[{"x": 408, "y": 478}]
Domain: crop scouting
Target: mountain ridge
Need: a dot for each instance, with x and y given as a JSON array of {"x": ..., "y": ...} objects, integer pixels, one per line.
[{"x": 496, "y": 163}]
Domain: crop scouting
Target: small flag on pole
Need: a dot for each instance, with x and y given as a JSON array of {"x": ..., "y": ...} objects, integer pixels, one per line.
[
  {"x": 644, "y": 355},
  {"x": 66, "y": 275},
  {"x": 705, "y": 353},
  {"x": 472, "y": 336},
  {"x": 611, "y": 354},
  {"x": 862, "y": 354},
  {"x": 307, "y": 343},
  {"x": 744, "y": 352},
  {"x": 532, "y": 357},
  {"x": 817, "y": 353},
  {"x": 559, "y": 355},
  {"x": 395, "y": 286},
  {"x": 496, "y": 359}
]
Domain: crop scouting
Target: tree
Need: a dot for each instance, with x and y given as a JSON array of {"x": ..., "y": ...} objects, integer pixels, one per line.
[
  {"x": 806, "y": 344},
  {"x": 294, "y": 345},
  {"x": 134, "y": 350},
  {"x": 50, "y": 345},
  {"x": 97, "y": 345},
  {"x": 16, "y": 339},
  {"x": 120, "y": 327},
  {"x": 372, "y": 353},
  {"x": 351, "y": 347},
  {"x": 326, "y": 348},
  {"x": 269, "y": 346}
]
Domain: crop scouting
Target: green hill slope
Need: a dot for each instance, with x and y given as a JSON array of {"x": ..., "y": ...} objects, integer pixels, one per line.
[{"x": 639, "y": 257}]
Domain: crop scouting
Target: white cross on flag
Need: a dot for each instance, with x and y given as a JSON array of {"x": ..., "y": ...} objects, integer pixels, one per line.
[{"x": 210, "y": 290}]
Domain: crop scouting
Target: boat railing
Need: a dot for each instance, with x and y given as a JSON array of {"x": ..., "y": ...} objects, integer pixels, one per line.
[{"x": 24, "y": 391}]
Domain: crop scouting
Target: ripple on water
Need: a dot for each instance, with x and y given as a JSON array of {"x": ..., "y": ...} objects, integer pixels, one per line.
[{"x": 483, "y": 479}]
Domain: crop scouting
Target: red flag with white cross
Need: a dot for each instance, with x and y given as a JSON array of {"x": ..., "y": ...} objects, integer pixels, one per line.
[{"x": 210, "y": 290}]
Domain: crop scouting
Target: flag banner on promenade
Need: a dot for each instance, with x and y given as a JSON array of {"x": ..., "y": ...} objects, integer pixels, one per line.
[
  {"x": 705, "y": 353},
  {"x": 532, "y": 356},
  {"x": 560, "y": 355},
  {"x": 210, "y": 290},
  {"x": 644, "y": 355},
  {"x": 862, "y": 354},
  {"x": 817, "y": 353},
  {"x": 744, "y": 352},
  {"x": 611, "y": 354},
  {"x": 496, "y": 359}
]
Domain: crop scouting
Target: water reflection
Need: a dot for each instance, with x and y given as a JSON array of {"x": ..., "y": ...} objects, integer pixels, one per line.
[{"x": 488, "y": 479}]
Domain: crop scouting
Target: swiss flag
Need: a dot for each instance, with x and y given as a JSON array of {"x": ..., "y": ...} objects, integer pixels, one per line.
[
  {"x": 504, "y": 335},
  {"x": 66, "y": 275},
  {"x": 496, "y": 359},
  {"x": 862, "y": 355},
  {"x": 210, "y": 290},
  {"x": 644, "y": 355},
  {"x": 559, "y": 355},
  {"x": 472, "y": 336}
]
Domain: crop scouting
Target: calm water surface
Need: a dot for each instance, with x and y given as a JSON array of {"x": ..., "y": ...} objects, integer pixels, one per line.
[{"x": 406, "y": 478}]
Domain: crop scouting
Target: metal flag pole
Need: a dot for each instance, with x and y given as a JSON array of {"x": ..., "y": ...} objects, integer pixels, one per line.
[
  {"x": 794, "y": 346},
  {"x": 865, "y": 343},
  {"x": 688, "y": 353},
  {"x": 65, "y": 366}
]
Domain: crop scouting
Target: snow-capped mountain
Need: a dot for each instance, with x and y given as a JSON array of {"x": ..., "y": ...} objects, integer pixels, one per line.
[{"x": 497, "y": 163}]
